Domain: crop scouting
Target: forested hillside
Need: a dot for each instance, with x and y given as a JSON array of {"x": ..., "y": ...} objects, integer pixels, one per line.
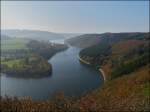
[
  {"x": 111, "y": 43},
  {"x": 87, "y": 40}
]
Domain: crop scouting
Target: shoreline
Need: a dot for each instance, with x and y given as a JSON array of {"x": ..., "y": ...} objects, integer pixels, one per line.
[
  {"x": 85, "y": 62},
  {"x": 103, "y": 74},
  {"x": 100, "y": 69}
]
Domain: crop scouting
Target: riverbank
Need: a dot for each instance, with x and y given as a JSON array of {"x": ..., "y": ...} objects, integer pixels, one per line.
[
  {"x": 103, "y": 74},
  {"x": 88, "y": 63},
  {"x": 83, "y": 61}
]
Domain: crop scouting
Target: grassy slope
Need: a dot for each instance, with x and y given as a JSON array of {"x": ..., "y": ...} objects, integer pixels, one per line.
[
  {"x": 130, "y": 92},
  {"x": 125, "y": 46},
  {"x": 125, "y": 93},
  {"x": 32, "y": 66},
  {"x": 119, "y": 50},
  {"x": 15, "y": 43},
  {"x": 28, "y": 64},
  {"x": 10, "y": 63}
]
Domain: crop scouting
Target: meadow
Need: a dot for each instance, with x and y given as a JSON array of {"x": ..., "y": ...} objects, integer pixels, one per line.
[{"x": 14, "y": 43}]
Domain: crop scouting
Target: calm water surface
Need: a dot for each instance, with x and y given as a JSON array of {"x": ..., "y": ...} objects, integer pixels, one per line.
[{"x": 68, "y": 75}]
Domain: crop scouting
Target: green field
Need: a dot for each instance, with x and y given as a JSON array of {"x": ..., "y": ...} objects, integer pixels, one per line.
[
  {"x": 10, "y": 63},
  {"x": 31, "y": 66},
  {"x": 14, "y": 43}
]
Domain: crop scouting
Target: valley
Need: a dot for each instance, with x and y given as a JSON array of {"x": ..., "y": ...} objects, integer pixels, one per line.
[
  {"x": 113, "y": 63},
  {"x": 75, "y": 56}
]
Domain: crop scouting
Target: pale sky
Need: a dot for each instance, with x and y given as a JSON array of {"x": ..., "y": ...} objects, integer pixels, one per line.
[{"x": 76, "y": 16}]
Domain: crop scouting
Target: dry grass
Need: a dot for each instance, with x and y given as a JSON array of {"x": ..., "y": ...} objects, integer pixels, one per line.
[
  {"x": 122, "y": 94},
  {"x": 126, "y": 46},
  {"x": 107, "y": 69}
]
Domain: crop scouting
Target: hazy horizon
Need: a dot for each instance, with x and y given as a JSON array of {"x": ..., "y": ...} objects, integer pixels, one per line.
[
  {"x": 76, "y": 16},
  {"x": 76, "y": 32}
]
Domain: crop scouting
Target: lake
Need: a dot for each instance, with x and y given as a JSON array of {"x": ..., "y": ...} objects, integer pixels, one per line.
[{"x": 68, "y": 76}]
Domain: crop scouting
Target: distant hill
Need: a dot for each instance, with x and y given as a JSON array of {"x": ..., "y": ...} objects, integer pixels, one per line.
[
  {"x": 33, "y": 34},
  {"x": 88, "y": 40},
  {"x": 37, "y": 35},
  {"x": 70, "y": 35},
  {"x": 85, "y": 40}
]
